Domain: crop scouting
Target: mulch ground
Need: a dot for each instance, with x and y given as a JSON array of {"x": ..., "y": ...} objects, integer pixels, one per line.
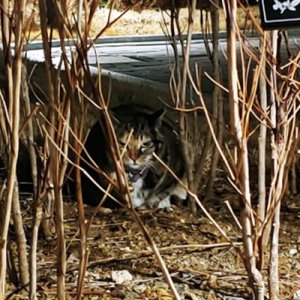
[{"x": 201, "y": 262}]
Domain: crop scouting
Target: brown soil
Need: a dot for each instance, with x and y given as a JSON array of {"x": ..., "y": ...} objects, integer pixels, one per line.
[{"x": 202, "y": 264}]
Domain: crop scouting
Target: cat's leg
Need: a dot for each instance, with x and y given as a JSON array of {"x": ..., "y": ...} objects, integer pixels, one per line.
[
  {"x": 163, "y": 200},
  {"x": 138, "y": 194},
  {"x": 179, "y": 192}
]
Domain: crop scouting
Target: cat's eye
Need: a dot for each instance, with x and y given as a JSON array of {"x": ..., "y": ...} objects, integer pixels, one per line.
[
  {"x": 147, "y": 144},
  {"x": 122, "y": 144}
]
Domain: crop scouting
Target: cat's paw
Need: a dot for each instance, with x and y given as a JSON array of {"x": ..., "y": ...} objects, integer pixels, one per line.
[
  {"x": 165, "y": 205},
  {"x": 153, "y": 201},
  {"x": 159, "y": 204},
  {"x": 142, "y": 207}
]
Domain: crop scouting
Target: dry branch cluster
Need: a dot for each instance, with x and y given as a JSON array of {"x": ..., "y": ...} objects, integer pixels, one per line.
[{"x": 264, "y": 103}]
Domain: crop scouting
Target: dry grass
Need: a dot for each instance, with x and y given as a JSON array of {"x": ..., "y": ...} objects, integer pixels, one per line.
[
  {"x": 145, "y": 22},
  {"x": 202, "y": 271}
]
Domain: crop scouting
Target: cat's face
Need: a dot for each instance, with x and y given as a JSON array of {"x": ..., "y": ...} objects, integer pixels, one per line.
[
  {"x": 137, "y": 149},
  {"x": 138, "y": 140}
]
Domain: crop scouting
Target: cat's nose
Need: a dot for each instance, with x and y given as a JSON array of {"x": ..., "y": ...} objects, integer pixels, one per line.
[
  {"x": 133, "y": 155},
  {"x": 134, "y": 159}
]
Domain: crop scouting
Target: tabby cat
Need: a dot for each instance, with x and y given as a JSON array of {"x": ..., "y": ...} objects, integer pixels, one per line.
[{"x": 139, "y": 135}]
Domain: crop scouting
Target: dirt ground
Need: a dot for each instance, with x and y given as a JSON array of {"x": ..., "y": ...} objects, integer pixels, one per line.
[{"x": 202, "y": 263}]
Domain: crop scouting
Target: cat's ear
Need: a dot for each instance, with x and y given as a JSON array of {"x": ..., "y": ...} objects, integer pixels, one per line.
[
  {"x": 156, "y": 117},
  {"x": 114, "y": 118}
]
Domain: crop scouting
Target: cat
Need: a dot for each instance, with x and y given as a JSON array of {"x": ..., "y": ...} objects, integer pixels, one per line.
[{"x": 139, "y": 135}]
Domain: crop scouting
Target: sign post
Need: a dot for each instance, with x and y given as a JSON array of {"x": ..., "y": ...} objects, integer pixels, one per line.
[{"x": 276, "y": 14}]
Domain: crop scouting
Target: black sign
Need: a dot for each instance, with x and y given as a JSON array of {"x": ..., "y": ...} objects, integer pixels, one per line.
[{"x": 280, "y": 13}]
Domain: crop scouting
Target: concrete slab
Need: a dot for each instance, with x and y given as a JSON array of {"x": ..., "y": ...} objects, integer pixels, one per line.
[{"x": 147, "y": 60}]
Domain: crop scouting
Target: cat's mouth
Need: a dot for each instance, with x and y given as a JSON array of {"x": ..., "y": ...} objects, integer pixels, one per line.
[{"x": 136, "y": 174}]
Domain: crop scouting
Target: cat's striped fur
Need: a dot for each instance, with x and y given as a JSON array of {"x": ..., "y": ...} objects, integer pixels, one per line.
[{"x": 139, "y": 135}]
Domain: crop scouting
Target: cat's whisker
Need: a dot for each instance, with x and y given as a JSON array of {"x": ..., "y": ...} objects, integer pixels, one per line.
[{"x": 151, "y": 165}]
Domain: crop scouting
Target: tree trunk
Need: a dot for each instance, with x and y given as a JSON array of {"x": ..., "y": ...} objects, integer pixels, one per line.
[
  {"x": 14, "y": 85},
  {"x": 261, "y": 211},
  {"x": 255, "y": 277},
  {"x": 217, "y": 99},
  {"x": 21, "y": 237}
]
